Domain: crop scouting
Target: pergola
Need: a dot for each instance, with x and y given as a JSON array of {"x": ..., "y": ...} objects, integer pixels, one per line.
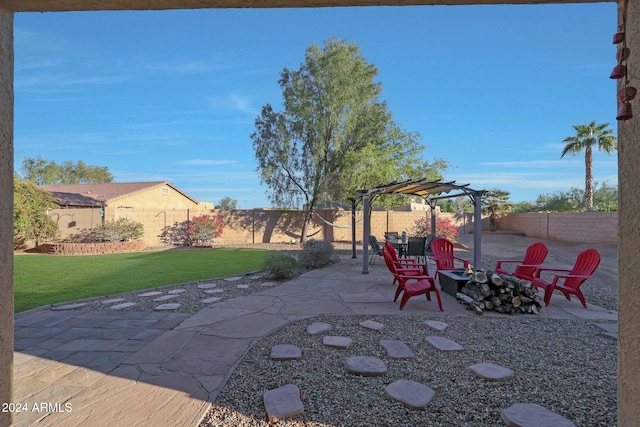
[{"x": 431, "y": 191}]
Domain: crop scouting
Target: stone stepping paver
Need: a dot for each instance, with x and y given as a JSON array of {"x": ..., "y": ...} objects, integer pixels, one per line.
[
  {"x": 285, "y": 352},
  {"x": 169, "y": 306},
  {"x": 491, "y": 371},
  {"x": 411, "y": 394},
  {"x": 434, "y": 324},
  {"x": 242, "y": 286},
  {"x": 210, "y": 300},
  {"x": 256, "y": 276},
  {"x": 207, "y": 285},
  {"x": 232, "y": 279},
  {"x": 166, "y": 297},
  {"x": 283, "y": 402},
  {"x": 176, "y": 291},
  {"x": 445, "y": 344},
  {"x": 150, "y": 294},
  {"x": 338, "y": 342},
  {"x": 372, "y": 324},
  {"x": 268, "y": 284},
  {"x": 532, "y": 415},
  {"x": 396, "y": 349},
  {"x": 68, "y": 306},
  {"x": 214, "y": 291},
  {"x": 318, "y": 328},
  {"x": 112, "y": 301},
  {"x": 123, "y": 305},
  {"x": 367, "y": 366}
]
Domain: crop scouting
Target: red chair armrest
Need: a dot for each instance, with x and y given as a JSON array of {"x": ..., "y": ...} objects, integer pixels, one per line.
[
  {"x": 465, "y": 262},
  {"x": 536, "y": 274}
]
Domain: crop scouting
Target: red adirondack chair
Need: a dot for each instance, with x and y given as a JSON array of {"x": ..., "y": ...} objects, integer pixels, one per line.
[
  {"x": 443, "y": 255},
  {"x": 533, "y": 259},
  {"x": 569, "y": 283},
  {"x": 405, "y": 261},
  {"x": 421, "y": 284}
]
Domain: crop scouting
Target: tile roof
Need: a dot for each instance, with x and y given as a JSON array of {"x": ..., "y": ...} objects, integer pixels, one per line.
[{"x": 96, "y": 194}]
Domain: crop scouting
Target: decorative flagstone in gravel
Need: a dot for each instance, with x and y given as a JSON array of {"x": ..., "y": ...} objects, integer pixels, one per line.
[
  {"x": 176, "y": 291},
  {"x": 283, "y": 402},
  {"x": 210, "y": 300},
  {"x": 112, "y": 300},
  {"x": 256, "y": 277},
  {"x": 213, "y": 291},
  {"x": 318, "y": 328},
  {"x": 207, "y": 285},
  {"x": 285, "y": 352},
  {"x": 242, "y": 286},
  {"x": 232, "y": 279},
  {"x": 68, "y": 306},
  {"x": 434, "y": 324},
  {"x": 445, "y": 344},
  {"x": 367, "y": 366},
  {"x": 166, "y": 297},
  {"x": 372, "y": 324},
  {"x": 396, "y": 349},
  {"x": 268, "y": 284},
  {"x": 338, "y": 342},
  {"x": 150, "y": 294},
  {"x": 491, "y": 372},
  {"x": 123, "y": 305},
  {"x": 412, "y": 394},
  {"x": 532, "y": 415},
  {"x": 169, "y": 306}
]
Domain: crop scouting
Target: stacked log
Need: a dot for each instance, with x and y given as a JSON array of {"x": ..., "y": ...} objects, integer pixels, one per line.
[{"x": 501, "y": 293}]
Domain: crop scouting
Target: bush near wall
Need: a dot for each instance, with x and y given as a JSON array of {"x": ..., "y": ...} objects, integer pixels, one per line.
[{"x": 90, "y": 248}]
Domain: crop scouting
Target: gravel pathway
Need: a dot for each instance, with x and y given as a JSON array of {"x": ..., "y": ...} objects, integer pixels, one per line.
[{"x": 565, "y": 366}]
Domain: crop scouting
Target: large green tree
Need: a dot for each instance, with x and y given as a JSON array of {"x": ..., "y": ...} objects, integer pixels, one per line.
[
  {"x": 47, "y": 172},
  {"x": 30, "y": 219},
  {"x": 587, "y": 137},
  {"x": 334, "y": 134}
]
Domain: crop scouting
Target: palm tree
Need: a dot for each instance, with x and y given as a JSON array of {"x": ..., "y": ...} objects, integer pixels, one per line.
[{"x": 586, "y": 137}]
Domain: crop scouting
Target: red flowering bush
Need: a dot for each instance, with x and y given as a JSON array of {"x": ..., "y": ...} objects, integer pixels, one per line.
[
  {"x": 444, "y": 228},
  {"x": 202, "y": 230}
]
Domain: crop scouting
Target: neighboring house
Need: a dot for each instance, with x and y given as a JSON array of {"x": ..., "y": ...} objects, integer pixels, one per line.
[
  {"x": 154, "y": 204},
  {"x": 128, "y": 195}
]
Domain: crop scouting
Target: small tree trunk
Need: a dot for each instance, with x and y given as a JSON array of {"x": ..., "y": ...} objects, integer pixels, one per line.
[{"x": 588, "y": 179}]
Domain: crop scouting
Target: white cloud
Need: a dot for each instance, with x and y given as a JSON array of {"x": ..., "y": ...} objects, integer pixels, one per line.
[
  {"x": 234, "y": 101},
  {"x": 205, "y": 162}
]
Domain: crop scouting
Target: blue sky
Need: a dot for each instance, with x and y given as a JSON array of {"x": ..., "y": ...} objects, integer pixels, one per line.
[{"x": 173, "y": 95}]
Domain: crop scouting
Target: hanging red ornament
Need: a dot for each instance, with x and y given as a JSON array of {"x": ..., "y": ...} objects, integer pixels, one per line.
[
  {"x": 623, "y": 54},
  {"x": 618, "y": 37},
  {"x": 619, "y": 71},
  {"x": 624, "y": 111},
  {"x": 627, "y": 94}
]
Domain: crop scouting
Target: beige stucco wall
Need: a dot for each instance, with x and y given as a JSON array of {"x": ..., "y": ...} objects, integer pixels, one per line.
[
  {"x": 160, "y": 197},
  {"x": 628, "y": 157},
  {"x": 6, "y": 212},
  {"x": 629, "y": 240}
]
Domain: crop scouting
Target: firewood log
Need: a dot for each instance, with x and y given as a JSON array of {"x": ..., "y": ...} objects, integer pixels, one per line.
[
  {"x": 496, "y": 280},
  {"x": 472, "y": 293},
  {"x": 473, "y": 304},
  {"x": 479, "y": 276},
  {"x": 516, "y": 301},
  {"x": 496, "y": 301}
]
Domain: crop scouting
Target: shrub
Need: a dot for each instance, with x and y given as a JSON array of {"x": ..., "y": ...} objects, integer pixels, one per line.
[
  {"x": 279, "y": 266},
  {"x": 317, "y": 254},
  {"x": 200, "y": 231},
  {"x": 444, "y": 228},
  {"x": 118, "y": 230}
]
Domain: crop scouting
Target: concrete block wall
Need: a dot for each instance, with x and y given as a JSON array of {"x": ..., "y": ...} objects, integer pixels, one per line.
[
  {"x": 90, "y": 248},
  {"x": 579, "y": 227}
]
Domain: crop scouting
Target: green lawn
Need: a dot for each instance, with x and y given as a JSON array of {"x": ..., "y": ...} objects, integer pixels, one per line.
[{"x": 47, "y": 279}]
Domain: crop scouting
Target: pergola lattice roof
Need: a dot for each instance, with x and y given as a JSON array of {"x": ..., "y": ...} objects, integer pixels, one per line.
[{"x": 422, "y": 188}]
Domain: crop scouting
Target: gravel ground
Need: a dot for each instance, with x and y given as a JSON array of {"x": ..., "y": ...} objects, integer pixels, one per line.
[{"x": 565, "y": 366}]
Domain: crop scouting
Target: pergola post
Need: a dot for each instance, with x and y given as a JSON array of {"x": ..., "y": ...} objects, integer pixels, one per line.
[
  {"x": 477, "y": 230},
  {"x": 366, "y": 230},
  {"x": 353, "y": 227},
  {"x": 432, "y": 205}
]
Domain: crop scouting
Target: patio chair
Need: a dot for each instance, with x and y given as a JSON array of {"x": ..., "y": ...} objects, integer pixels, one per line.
[
  {"x": 416, "y": 248},
  {"x": 444, "y": 257},
  {"x": 533, "y": 259},
  {"x": 376, "y": 249},
  {"x": 421, "y": 284},
  {"x": 569, "y": 284}
]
